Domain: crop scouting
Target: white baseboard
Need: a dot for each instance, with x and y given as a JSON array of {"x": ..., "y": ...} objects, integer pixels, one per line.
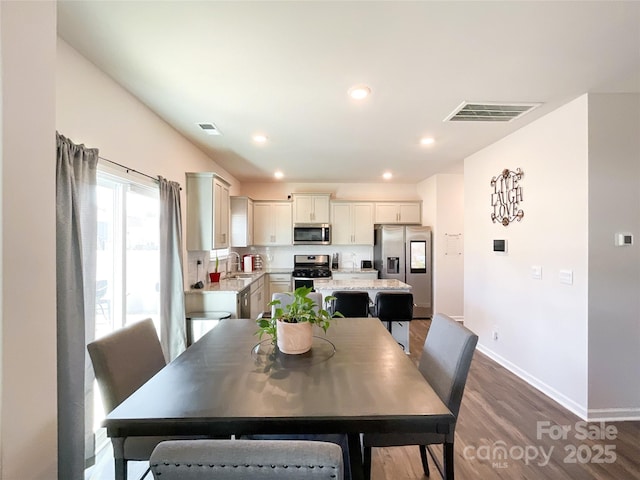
[
  {"x": 550, "y": 392},
  {"x": 613, "y": 414},
  {"x": 459, "y": 319}
]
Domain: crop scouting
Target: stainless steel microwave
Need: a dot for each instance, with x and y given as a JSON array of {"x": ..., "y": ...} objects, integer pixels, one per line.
[{"x": 312, "y": 234}]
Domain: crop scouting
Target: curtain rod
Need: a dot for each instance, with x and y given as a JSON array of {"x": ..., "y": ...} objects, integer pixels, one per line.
[{"x": 129, "y": 169}]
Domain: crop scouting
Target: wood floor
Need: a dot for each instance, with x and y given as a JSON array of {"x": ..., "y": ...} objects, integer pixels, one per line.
[{"x": 499, "y": 409}]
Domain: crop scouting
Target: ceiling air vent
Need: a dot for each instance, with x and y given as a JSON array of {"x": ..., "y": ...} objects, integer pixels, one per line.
[
  {"x": 209, "y": 128},
  {"x": 489, "y": 112}
]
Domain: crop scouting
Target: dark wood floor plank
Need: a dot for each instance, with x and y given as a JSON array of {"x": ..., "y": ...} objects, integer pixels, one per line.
[{"x": 500, "y": 407}]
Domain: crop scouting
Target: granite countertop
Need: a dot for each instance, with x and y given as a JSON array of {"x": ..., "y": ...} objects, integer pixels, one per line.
[
  {"x": 364, "y": 284},
  {"x": 235, "y": 284},
  {"x": 354, "y": 270}
]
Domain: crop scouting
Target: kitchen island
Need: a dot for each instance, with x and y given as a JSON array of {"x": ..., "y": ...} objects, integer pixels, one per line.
[{"x": 372, "y": 287}]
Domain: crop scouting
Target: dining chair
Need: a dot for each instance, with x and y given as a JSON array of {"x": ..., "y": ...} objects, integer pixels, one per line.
[
  {"x": 123, "y": 361},
  {"x": 246, "y": 460},
  {"x": 393, "y": 307},
  {"x": 445, "y": 361},
  {"x": 351, "y": 303},
  {"x": 286, "y": 298}
]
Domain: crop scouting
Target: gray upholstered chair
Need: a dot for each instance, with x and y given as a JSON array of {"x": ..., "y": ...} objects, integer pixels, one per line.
[
  {"x": 446, "y": 358},
  {"x": 351, "y": 303},
  {"x": 286, "y": 298},
  {"x": 122, "y": 362},
  {"x": 246, "y": 460}
]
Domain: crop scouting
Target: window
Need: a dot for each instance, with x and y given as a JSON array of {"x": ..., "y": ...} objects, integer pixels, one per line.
[{"x": 128, "y": 258}]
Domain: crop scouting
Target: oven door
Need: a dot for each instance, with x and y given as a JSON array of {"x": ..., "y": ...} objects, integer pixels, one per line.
[{"x": 302, "y": 282}]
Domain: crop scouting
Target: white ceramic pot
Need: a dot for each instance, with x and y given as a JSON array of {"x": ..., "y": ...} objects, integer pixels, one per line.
[{"x": 294, "y": 338}]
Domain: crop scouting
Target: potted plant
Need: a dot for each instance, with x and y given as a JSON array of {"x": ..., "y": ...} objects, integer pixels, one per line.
[
  {"x": 215, "y": 275},
  {"x": 291, "y": 327}
]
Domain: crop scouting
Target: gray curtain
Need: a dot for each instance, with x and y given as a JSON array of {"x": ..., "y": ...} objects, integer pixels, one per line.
[
  {"x": 172, "y": 314},
  {"x": 76, "y": 224}
]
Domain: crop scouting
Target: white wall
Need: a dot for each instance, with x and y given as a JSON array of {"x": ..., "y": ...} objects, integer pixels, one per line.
[
  {"x": 28, "y": 314},
  {"x": 614, "y": 272},
  {"x": 338, "y": 191},
  {"x": 443, "y": 210},
  {"x": 94, "y": 110},
  {"x": 541, "y": 324}
]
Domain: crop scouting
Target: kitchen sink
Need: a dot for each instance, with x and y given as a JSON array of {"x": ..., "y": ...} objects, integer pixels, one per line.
[{"x": 241, "y": 275}]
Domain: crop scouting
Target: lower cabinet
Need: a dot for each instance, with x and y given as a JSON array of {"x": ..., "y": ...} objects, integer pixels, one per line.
[{"x": 278, "y": 283}]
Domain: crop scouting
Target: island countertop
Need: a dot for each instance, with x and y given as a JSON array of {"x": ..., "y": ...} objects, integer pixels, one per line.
[{"x": 363, "y": 284}]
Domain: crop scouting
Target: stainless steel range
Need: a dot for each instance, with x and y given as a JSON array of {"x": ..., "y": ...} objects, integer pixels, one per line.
[{"x": 306, "y": 268}]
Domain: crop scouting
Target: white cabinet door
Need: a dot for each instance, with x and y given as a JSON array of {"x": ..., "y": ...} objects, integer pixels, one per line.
[
  {"x": 341, "y": 227},
  {"x": 272, "y": 223},
  {"x": 241, "y": 221},
  {"x": 262, "y": 229},
  {"x": 309, "y": 208},
  {"x": 362, "y": 220},
  {"x": 221, "y": 215},
  {"x": 386, "y": 213},
  {"x": 207, "y": 212},
  {"x": 410, "y": 213},
  {"x": 282, "y": 229}
]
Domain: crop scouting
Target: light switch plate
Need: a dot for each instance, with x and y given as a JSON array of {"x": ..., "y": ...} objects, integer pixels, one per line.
[
  {"x": 566, "y": 277},
  {"x": 624, "y": 239},
  {"x": 536, "y": 272}
]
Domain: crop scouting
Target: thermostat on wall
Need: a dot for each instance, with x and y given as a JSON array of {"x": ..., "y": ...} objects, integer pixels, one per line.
[
  {"x": 624, "y": 239},
  {"x": 500, "y": 246}
]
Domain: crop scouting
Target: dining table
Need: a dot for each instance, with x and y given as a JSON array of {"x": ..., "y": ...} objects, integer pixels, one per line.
[{"x": 355, "y": 379}]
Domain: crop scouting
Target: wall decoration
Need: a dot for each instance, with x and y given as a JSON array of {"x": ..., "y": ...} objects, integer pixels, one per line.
[{"x": 507, "y": 197}]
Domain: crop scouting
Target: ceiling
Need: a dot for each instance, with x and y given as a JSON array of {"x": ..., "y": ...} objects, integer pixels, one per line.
[{"x": 283, "y": 69}]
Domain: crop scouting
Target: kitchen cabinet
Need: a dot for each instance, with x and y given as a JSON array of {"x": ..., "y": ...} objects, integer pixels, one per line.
[
  {"x": 354, "y": 275},
  {"x": 351, "y": 223},
  {"x": 311, "y": 208},
  {"x": 278, "y": 283},
  {"x": 241, "y": 221},
  {"x": 256, "y": 299},
  {"x": 207, "y": 212},
  {"x": 398, "y": 212},
  {"x": 272, "y": 223}
]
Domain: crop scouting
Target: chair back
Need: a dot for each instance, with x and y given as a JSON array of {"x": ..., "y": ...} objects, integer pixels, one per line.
[
  {"x": 394, "y": 306},
  {"x": 124, "y": 360},
  {"x": 351, "y": 303},
  {"x": 446, "y": 359},
  {"x": 286, "y": 298},
  {"x": 247, "y": 460}
]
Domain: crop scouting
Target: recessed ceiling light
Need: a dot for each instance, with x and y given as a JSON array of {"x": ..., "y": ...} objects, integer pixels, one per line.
[
  {"x": 387, "y": 175},
  {"x": 278, "y": 174},
  {"x": 426, "y": 141},
  {"x": 359, "y": 92},
  {"x": 259, "y": 138}
]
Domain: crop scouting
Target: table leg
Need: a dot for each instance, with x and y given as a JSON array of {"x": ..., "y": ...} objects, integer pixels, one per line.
[
  {"x": 118, "y": 454},
  {"x": 189, "y": 326},
  {"x": 355, "y": 456}
]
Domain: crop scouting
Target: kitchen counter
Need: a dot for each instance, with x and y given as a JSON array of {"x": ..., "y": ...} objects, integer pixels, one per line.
[
  {"x": 364, "y": 284},
  {"x": 354, "y": 270}
]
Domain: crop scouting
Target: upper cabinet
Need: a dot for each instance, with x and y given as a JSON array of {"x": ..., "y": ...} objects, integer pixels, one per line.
[
  {"x": 311, "y": 207},
  {"x": 207, "y": 211},
  {"x": 352, "y": 223},
  {"x": 272, "y": 223},
  {"x": 241, "y": 222},
  {"x": 398, "y": 212}
]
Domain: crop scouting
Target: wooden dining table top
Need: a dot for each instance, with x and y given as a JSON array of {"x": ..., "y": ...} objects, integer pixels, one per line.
[{"x": 355, "y": 379}]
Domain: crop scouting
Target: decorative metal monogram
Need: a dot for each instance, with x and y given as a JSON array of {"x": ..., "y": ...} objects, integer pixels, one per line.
[{"x": 506, "y": 197}]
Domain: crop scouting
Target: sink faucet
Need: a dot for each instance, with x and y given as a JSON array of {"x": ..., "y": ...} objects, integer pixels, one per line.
[{"x": 238, "y": 268}]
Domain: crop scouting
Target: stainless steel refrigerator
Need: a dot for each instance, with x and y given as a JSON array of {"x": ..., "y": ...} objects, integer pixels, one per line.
[{"x": 403, "y": 252}]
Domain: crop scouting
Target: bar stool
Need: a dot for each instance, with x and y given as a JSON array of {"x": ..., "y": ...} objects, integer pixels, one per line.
[
  {"x": 351, "y": 303},
  {"x": 198, "y": 316},
  {"x": 394, "y": 307}
]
